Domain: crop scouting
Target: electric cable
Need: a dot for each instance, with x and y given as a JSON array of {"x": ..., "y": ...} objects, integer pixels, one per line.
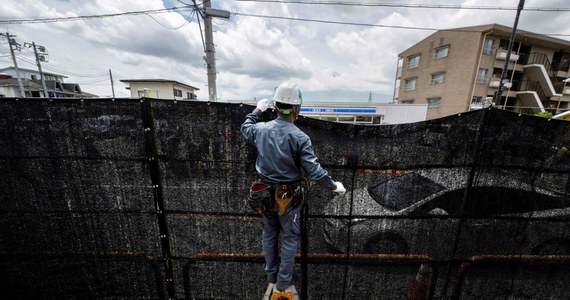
[
  {"x": 187, "y": 20},
  {"x": 195, "y": 7},
  {"x": 94, "y": 81},
  {"x": 375, "y": 25},
  {"x": 77, "y": 18},
  {"x": 100, "y": 75},
  {"x": 400, "y": 5}
]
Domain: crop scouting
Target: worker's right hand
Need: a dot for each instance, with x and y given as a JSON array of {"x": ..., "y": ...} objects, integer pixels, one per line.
[
  {"x": 339, "y": 188},
  {"x": 263, "y": 104}
]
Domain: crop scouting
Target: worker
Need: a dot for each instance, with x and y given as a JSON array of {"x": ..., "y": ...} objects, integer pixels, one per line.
[{"x": 284, "y": 162}]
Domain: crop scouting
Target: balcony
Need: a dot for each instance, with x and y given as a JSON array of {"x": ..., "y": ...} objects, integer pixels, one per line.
[
  {"x": 502, "y": 55},
  {"x": 494, "y": 83}
]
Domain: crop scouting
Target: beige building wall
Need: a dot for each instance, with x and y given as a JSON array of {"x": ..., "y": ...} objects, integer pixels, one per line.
[
  {"x": 457, "y": 69},
  {"x": 9, "y": 91},
  {"x": 160, "y": 90},
  {"x": 472, "y": 68}
]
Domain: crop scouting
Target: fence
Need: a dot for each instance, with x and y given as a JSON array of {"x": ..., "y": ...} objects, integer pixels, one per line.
[{"x": 145, "y": 199}]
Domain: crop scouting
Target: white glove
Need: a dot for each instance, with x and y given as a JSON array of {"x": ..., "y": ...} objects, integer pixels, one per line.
[
  {"x": 263, "y": 104},
  {"x": 339, "y": 188}
]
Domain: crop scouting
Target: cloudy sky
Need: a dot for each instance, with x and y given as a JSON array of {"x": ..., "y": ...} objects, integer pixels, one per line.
[{"x": 336, "y": 50}]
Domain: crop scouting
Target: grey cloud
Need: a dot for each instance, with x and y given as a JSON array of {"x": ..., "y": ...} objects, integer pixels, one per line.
[
  {"x": 165, "y": 44},
  {"x": 271, "y": 70}
]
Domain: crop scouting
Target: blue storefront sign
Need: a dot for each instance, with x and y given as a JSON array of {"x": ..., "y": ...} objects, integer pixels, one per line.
[{"x": 338, "y": 110}]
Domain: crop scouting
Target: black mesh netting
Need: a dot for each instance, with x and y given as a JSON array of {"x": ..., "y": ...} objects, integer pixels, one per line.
[{"x": 145, "y": 199}]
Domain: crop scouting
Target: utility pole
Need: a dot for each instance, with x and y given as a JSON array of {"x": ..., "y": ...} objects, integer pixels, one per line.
[
  {"x": 112, "y": 87},
  {"x": 41, "y": 57},
  {"x": 210, "y": 57},
  {"x": 210, "y": 54},
  {"x": 12, "y": 43},
  {"x": 499, "y": 92}
]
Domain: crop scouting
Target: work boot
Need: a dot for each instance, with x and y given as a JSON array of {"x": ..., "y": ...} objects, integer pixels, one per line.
[
  {"x": 293, "y": 290},
  {"x": 290, "y": 293},
  {"x": 269, "y": 291}
]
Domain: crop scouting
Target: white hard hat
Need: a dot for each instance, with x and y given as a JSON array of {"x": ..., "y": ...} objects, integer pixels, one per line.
[{"x": 288, "y": 93}]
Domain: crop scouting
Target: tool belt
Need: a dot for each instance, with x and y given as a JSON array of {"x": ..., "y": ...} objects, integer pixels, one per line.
[{"x": 262, "y": 196}]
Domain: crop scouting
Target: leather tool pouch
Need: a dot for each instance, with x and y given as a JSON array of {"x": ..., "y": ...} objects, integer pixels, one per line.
[
  {"x": 283, "y": 197},
  {"x": 289, "y": 194},
  {"x": 260, "y": 197},
  {"x": 299, "y": 194}
]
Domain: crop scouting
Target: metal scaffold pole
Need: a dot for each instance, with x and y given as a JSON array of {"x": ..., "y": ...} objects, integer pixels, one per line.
[{"x": 499, "y": 92}]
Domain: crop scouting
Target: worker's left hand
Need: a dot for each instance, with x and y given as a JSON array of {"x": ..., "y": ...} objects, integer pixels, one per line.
[
  {"x": 263, "y": 104},
  {"x": 339, "y": 188}
]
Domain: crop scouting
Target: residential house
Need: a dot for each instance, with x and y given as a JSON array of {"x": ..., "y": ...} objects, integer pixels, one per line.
[
  {"x": 458, "y": 70},
  {"x": 32, "y": 85},
  {"x": 160, "y": 88}
]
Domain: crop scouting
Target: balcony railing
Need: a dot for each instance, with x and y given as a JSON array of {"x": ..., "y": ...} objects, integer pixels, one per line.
[
  {"x": 502, "y": 54},
  {"x": 494, "y": 83}
]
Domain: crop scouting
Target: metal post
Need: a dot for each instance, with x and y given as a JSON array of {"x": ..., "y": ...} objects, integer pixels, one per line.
[
  {"x": 210, "y": 54},
  {"x": 112, "y": 87},
  {"x": 12, "y": 42},
  {"x": 40, "y": 69},
  {"x": 506, "y": 66}
]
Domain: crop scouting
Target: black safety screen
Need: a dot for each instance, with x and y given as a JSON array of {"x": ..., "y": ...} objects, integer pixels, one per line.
[{"x": 146, "y": 199}]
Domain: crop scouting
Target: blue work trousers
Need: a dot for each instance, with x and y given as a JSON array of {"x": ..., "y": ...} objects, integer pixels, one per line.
[{"x": 287, "y": 227}]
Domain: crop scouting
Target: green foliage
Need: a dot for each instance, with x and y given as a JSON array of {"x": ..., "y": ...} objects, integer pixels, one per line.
[{"x": 544, "y": 114}]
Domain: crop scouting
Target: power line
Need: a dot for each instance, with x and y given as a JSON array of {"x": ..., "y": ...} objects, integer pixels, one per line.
[
  {"x": 193, "y": 8},
  {"x": 332, "y": 22},
  {"x": 101, "y": 75},
  {"x": 399, "y": 5},
  {"x": 77, "y": 18},
  {"x": 187, "y": 20},
  {"x": 91, "y": 82},
  {"x": 369, "y": 24}
]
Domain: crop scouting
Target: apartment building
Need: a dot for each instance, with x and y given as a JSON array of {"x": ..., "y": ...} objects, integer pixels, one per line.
[{"x": 456, "y": 70}]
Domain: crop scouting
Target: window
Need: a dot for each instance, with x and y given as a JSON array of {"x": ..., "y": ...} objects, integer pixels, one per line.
[
  {"x": 189, "y": 95},
  {"x": 328, "y": 118},
  {"x": 34, "y": 77},
  {"x": 437, "y": 78},
  {"x": 177, "y": 93},
  {"x": 363, "y": 119},
  {"x": 489, "y": 46},
  {"x": 345, "y": 119},
  {"x": 410, "y": 84},
  {"x": 441, "y": 52},
  {"x": 476, "y": 100},
  {"x": 482, "y": 75},
  {"x": 413, "y": 61},
  {"x": 407, "y": 101},
  {"x": 433, "y": 102}
]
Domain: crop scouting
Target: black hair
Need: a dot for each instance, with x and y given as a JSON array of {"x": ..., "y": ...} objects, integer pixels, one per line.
[
  {"x": 283, "y": 105},
  {"x": 284, "y": 108}
]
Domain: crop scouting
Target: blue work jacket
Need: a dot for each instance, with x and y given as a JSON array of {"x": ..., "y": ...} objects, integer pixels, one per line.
[{"x": 285, "y": 153}]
